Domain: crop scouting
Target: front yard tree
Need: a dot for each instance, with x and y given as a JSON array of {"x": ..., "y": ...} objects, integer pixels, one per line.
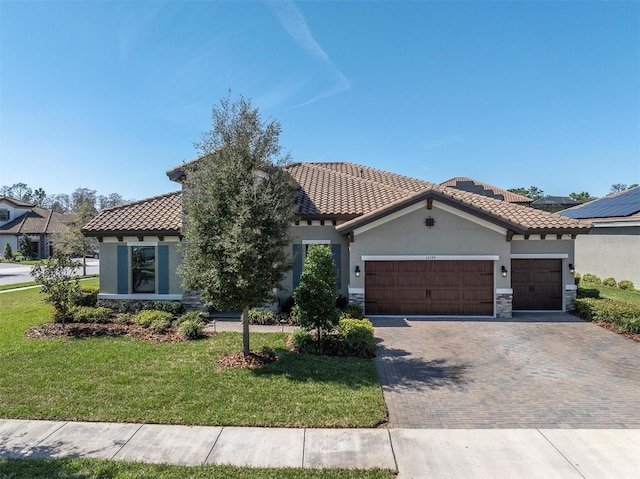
[
  {"x": 317, "y": 292},
  {"x": 238, "y": 205},
  {"x": 59, "y": 283}
]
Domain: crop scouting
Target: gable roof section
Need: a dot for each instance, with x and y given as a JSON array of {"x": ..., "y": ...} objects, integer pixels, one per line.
[
  {"x": 157, "y": 215},
  {"x": 618, "y": 205},
  {"x": 16, "y": 203},
  {"x": 514, "y": 217},
  {"x": 473, "y": 186},
  {"x": 36, "y": 222},
  {"x": 346, "y": 190}
]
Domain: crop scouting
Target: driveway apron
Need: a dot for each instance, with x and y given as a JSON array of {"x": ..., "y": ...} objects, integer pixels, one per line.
[{"x": 533, "y": 371}]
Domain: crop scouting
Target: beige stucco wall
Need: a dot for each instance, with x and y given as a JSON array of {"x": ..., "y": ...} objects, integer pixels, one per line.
[
  {"x": 610, "y": 252},
  {"x": 109, "y": 267},
  {"x": 310, "y": 233},
  {"x": 451, "y": 235}
]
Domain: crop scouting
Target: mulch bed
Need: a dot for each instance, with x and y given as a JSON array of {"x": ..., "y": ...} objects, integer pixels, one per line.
[
  {"x": 255, "y": 359},
  {"x": 92, "y": 330}
]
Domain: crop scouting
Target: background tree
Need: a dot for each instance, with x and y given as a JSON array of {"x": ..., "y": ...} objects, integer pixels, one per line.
[
  {"x": 238, "y": 205},
  {"x": 84, "y": 199},
  {"x": 582, "y": 197},
  {"x": 71, "y": 242},
  {"x": 317, "y": 292},
  {"x": 111, "y": 200},
  {"x": 59, "y": 284},
  {"x": 532, "y": 192},
  {"x": 620, "y": 187},
  {"x": 8, "y": 253}
]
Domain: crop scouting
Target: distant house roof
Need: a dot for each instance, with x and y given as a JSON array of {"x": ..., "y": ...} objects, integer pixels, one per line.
[
  {"x": 157, "y": 215},
  {"x": 484, "y": 189},
  {"x": 554, "y": 203},
  {"x": 625, "y": 204},
  {"x": 16, "y": 203},
  {"x": 353, "y": 193},
  {"x": 37, "y": 221}
]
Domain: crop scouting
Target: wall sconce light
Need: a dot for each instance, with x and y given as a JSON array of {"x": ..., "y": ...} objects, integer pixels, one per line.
[
  {"x": 357, "y": 271},
  {"x": 504, "y": 271},
  {"x": 571, "y": 268}
]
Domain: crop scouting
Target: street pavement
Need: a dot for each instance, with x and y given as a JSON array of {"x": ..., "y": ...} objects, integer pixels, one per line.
[
  {"x": 414, "y": 453},
  {"x": 14, "y": 273}
]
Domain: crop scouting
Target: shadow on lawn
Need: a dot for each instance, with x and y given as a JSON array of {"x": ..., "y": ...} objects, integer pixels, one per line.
[
  {"x": 398, "y": 371},
  {"x": 353, "y": 372}
]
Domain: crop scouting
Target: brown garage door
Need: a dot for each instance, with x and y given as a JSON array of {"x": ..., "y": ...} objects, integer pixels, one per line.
[
  {"x": 463, "y": 288},
  {"x": 537, "y": 284}
]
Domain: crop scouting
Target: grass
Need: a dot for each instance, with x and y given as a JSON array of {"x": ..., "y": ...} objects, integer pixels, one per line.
[
  {"x": 4, "y": 287},
  {"x": 126, "y": 380},
  {"x": 611, "y": 292},
  {"x": 95, "y": 468}
]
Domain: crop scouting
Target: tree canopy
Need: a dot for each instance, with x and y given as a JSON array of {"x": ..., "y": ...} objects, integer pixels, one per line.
[
  {"x": 238, "y": 203},
  {"x": 532, "y": 192}
]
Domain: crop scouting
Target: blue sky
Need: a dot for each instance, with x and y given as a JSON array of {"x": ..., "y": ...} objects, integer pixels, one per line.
[{"x": 108, "y": 95}]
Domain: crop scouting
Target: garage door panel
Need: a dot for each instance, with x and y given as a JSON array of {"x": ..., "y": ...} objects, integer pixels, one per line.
[
  {"x": 537, "y": 284},
  {"x": 429, "y": 287}
]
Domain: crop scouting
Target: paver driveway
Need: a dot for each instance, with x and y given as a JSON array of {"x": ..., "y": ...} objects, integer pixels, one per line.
[{"x": 535, "y": 371}]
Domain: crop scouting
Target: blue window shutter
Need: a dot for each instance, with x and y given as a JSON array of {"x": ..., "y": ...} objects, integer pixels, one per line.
[
  {"x": 163, "y": 269},
  {"x": 297, "y": 265},
  {"x": 123, "y": 270},
  {"x": 337, "y": 258}
]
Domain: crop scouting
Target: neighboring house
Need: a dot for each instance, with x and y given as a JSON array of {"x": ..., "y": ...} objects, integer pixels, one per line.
[
  {"x": 554, "y": 203},
  {"x": 612, "y": 247},
  {"x": 402, "y": 246},
  {"x": 18, "y": 218}
]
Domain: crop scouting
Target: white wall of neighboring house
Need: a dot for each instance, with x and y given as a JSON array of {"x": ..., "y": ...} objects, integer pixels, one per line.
[{"x": 610, "y": 252}]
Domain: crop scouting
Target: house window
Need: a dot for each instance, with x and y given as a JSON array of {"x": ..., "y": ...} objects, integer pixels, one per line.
[
  {"x": 4, "y": 215},
  {"x": 143, "y": 269}
]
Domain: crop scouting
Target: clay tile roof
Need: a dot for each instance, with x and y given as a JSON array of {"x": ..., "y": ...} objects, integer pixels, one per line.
[
  {"x": 36, "y": 222},
  {"x": 475, "y": 186},
  {"x": 347, "y": 189},
  {"x": 518, "y": 218},
  {"x": 159, "y": 214}
]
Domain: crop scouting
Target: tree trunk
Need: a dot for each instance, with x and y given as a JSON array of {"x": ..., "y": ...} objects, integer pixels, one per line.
[
  {"x": 245, "y": 331},
  {"x": 84, "y": 264}
]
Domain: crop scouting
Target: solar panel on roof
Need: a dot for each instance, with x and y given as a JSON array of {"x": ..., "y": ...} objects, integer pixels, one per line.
[{"x": 623, "y": 204}]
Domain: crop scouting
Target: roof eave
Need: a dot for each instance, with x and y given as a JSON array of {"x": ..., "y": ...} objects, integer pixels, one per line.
[{"x": 103, "y": 233}]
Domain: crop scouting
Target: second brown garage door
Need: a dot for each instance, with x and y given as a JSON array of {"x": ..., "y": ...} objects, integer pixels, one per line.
[
  {"x": 462, "y": 288},
  {"x": 537, "y": 284}
]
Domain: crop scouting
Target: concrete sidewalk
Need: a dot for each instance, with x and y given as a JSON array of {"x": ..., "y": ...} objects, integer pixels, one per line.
[{"x": 414, "y": 453}]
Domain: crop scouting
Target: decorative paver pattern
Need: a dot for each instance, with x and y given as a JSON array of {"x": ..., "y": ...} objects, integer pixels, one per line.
[{"x": 534, "y": 371}]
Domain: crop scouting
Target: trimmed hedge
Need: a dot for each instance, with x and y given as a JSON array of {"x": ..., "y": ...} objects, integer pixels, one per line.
[
  {"x": 147, "y": 317},
  {"x": 624, "y": 315},
  {"x": 126, "y": 306},
  {"x": 88, "y": 314}
]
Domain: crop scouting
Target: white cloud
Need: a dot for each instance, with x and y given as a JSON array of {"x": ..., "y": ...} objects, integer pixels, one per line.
[{"x": 296, "y": 26}]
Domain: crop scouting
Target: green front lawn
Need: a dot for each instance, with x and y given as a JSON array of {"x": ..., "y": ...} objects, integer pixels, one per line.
[
  {"x": 93, "y": 468},
  {"x": 127, "y": 380},
  {"x": 617, "y": 294}
]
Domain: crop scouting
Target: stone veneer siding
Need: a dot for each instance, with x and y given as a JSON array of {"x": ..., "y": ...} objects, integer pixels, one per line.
[
  {"x": 569, "y": 296},
  {"x": 192, "y": 301},
  {"x": 357, "y": 298},
  {"x": 504, "y": 305}
]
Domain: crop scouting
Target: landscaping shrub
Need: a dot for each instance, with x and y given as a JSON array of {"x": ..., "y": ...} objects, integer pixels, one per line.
[
  {"x": 160, "y": 325},
  {"x": 352, "y": 310},
  {"x": 610, "y": 282},
  {"x": 625, "y": 284},
  {"x": 341, "y": 302},
  {"x": 123, "y": 318},
  {"x": 591, "y": 278},
  {"x": 148, "y": 316},
  {"x": 624, "y": 315},
  {"x": 125, "y": 306},
  {"x": 90, "y": 314},
  {"x": 317, "y": 292},
  {"x": 303, "y": 341},
  {"x": 173, "y": 307},
  {"x": 262, "y": 317},
  {"x": 358, "y": 337},
  {"x": 588, "y": 293},
  {"x": 576, "y": 278},
  {"x": 190, "y": 329},
  {"x": 194, "y": 316},
  {"x": 8, "y": 253},
  {"x": 88, "y": 296}
]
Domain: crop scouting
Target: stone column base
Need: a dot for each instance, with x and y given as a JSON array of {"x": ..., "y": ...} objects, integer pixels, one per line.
[
  {"x": 570, "y": 293},
  {"x": 504, "y": 304}
]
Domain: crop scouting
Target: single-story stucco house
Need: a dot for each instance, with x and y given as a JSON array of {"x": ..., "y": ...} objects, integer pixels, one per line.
[
  {"x": 612, "y": 247},
  {"x": 402, "y": 246},
  {"x": 40, "y": 225}
]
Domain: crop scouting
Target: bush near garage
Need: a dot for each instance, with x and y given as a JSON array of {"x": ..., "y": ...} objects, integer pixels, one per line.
[
  {"x": 89, "y": 314},
  {"x": 591, "y": 278},
  {"x": 625, "y": 284},
  {"x": 624, "y": 315}
]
